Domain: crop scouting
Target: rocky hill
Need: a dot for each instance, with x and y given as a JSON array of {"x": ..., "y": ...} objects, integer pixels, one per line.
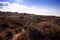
[{"x": 22, "y": 26}]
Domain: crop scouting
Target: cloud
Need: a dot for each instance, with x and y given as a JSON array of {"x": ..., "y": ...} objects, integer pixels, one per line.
[
  {"x": 4, "y": 3},
  {"x": 13, "y": 7}
]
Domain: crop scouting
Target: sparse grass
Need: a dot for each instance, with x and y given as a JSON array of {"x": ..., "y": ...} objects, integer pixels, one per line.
[{"x": 33, "y": 23}]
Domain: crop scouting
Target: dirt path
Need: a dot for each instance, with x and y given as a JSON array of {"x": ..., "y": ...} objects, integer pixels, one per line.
[{"x": 20, "y": 36}]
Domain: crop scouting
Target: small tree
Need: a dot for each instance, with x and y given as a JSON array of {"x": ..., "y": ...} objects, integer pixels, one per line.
[{"x": 9, "y": 35}]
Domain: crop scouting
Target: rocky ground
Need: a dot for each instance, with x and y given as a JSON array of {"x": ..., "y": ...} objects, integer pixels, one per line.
[{"x": 18, "y": 26}]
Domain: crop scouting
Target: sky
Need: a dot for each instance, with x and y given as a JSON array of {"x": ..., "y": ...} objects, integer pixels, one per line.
[{"x": 38, "y": 7}]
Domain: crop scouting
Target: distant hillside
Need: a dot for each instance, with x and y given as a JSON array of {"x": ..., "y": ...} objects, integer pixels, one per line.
[
  {"x": 12, "y": 14},
  {"x": 23, "y": 26}
]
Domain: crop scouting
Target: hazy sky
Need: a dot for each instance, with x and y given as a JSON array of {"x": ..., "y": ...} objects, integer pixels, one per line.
[{"x": 39, "y": 7}]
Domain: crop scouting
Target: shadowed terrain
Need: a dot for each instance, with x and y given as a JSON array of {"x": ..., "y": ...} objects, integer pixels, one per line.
[{"x": 23, "y": 26}]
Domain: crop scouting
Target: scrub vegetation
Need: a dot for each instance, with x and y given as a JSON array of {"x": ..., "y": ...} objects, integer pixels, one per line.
[{"x": 23, "y": 26}]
